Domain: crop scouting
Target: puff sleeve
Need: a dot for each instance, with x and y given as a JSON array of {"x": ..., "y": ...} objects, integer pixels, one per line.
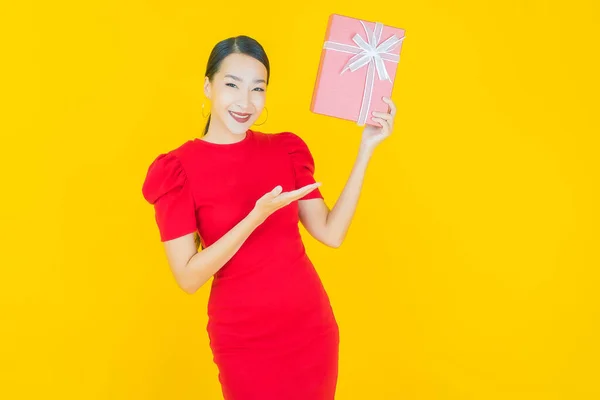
[
  {"x": 302, "y": 162},
  {"x": 166, "y": 187}
]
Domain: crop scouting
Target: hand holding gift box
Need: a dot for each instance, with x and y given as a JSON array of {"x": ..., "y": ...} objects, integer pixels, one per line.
[{"x": 370, "y": 51}]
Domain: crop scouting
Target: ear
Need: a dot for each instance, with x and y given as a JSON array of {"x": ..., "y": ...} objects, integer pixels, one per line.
[{"x": 207, "y": 87}]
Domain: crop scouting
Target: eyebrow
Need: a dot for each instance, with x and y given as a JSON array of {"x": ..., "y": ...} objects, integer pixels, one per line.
[{"x": 235, "y": 78}]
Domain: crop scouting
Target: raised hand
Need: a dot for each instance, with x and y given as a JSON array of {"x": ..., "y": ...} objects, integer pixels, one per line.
[{"x": 373, "y": 135}]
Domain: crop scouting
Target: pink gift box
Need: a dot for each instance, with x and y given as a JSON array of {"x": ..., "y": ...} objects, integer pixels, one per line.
[{"x": 357, "y": 68}]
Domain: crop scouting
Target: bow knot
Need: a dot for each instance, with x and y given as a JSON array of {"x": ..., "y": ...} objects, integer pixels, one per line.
[{"x": 371, "y": 53}]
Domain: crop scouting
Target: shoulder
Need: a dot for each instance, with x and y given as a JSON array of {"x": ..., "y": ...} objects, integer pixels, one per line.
[
  {"x": 297, "y": 149},
  {"x": 290, "y": 142},
  {"x": 165, "y": 173}
]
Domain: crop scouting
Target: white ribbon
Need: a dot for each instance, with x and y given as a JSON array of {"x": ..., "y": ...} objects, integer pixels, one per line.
[{"x": 368, "y": 53}]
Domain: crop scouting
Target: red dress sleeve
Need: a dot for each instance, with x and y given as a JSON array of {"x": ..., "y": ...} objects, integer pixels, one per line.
[
  {"x": 302, "y": 161},
  {"x": 166, "y": 187}
]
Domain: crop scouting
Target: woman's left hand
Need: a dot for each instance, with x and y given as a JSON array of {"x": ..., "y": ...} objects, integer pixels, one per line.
[{"x": 373, "y": 135}]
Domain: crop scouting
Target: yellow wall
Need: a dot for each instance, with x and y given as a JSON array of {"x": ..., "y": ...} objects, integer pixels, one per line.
[{"x": 470, "y": 271}]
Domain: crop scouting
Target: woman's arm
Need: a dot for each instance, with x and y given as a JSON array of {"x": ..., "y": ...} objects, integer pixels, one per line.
[
  {"x": 331, "y": 226},
  {"x": 192, "y": 268}
]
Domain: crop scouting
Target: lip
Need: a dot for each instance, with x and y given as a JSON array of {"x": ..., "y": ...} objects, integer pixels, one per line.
[{"x": 238, "y": 119}]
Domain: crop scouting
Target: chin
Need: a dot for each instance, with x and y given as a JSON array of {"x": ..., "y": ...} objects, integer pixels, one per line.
[{"x": 238, "y": 129}]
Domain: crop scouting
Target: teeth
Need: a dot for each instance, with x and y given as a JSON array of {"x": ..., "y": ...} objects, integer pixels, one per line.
[{"x": 240, "y": 116}]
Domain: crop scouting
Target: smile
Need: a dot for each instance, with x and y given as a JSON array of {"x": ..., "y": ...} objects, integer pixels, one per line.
[{"x": 241, "y": 118}]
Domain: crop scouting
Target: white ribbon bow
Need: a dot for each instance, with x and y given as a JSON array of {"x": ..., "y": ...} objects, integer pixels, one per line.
[{"x": 368, "y": 53}]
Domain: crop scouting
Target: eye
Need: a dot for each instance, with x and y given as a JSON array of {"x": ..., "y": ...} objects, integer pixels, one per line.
[
  {"x": 230, "y": 84},
  {"x": 260, "y": 89}
]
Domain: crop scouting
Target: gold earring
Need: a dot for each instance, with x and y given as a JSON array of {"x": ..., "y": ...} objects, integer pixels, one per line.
[
  {"x": 265, "y": 118},
  {"x": 205, "y": 116}
]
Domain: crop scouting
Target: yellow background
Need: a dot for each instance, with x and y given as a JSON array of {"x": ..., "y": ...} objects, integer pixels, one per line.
[{"x": 471, "y": 267}]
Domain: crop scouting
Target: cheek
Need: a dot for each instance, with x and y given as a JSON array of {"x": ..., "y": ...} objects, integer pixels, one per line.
[
  {"x": 258, "y": 100},
  {"x": 222, "y": 106},
  {"x": 223, "y": 100}
]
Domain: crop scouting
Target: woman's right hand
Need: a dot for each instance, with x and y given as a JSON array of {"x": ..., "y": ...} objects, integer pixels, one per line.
[{"x": 275, "y": 199}]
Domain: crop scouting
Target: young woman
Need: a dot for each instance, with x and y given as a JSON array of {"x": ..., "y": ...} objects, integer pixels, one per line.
[{"x": 271, "y": 327}]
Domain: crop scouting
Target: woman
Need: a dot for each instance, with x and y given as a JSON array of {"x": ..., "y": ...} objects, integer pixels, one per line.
[{"x": 271, "y": 327}]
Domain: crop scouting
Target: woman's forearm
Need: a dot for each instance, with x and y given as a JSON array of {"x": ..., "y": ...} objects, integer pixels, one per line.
[
  {"x": 204, "y": 264},
  {"x": 340, "y": 216}
]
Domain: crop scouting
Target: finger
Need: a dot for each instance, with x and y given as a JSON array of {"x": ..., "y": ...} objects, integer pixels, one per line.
[
  {"x": 386, "y": 116},
  {"x": 273, "y": 193},
  {"x": 385, "y": 126},
  {"x": 390, "y": 123},
  {"x": 391, "y": 106},
  {"x": 301, "y": 192},
  {"x": 304, "y": 193},
  {"x": 310, "y": 185},
  {"x": 304, "y": 190}
]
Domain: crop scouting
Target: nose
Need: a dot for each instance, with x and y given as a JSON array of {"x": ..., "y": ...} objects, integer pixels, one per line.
[{"x": 244, "y": 101}]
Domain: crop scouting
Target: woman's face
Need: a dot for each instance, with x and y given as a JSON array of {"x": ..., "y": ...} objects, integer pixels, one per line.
[{"x": 237, "y": 92}]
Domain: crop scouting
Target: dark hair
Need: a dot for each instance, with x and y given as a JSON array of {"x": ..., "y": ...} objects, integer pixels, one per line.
[{"x": 239, "y": 44}]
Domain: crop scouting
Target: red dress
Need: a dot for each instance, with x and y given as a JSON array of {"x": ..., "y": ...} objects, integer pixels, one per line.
[{"x": 272, "y": 331}]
